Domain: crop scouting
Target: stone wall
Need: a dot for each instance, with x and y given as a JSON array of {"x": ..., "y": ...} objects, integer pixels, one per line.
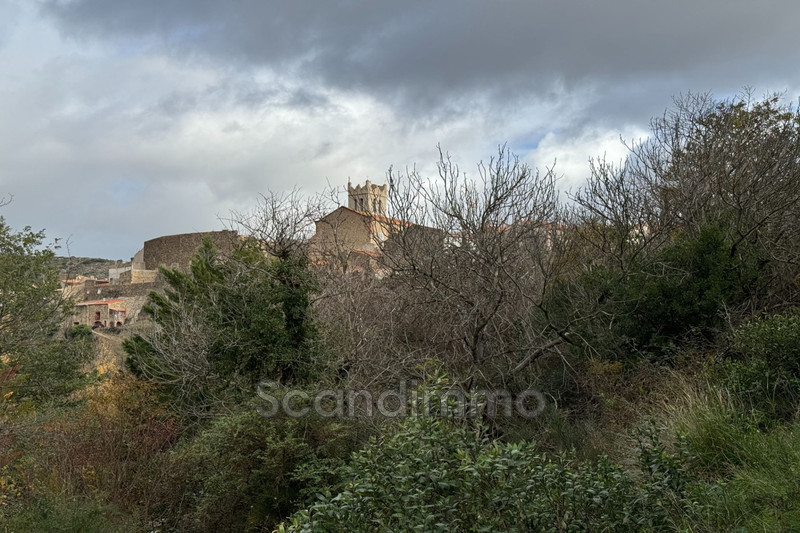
[
  {"x": 113, "y": 312},
  {"x": 89, "y": 314},
  {"x": 341, "y": 232},
  {"x": 115, "y": 272},
  {"x": 137, "y": 261},
  {"x": 176, "y": 251},
  {"x": 144, "y": 276},
  {"x": 120, "y": 290},
  {"x": 138, "y": 276},
  {"x": 133, "y": 307},
  {"x": 105, "y": 313}
]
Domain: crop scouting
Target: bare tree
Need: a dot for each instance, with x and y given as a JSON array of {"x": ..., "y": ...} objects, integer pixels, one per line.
[
  {"x": 734, "y": 165},
  {"x": 480, "y": 255},
  {"x": 735, "y": 162},
  {"x": 617, "y": 212},
  {"x": 281, "y": 222},
  {"x": 183, "y": 365}
]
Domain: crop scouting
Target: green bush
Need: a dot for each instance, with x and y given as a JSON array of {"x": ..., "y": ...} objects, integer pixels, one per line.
[
  {"x": 244, "y": 471},
  {"x": 51, "y": 372},
  {"x": 79, "y": 331},
  {"x": 231, "y": 321},
  {"x": 432, "y": 475},
  {"x": 60, "y": 514},
  {"x": 684, "y": 289},
  {"x": 765, "y": 372},
  {"x": 776, "y": 339}
]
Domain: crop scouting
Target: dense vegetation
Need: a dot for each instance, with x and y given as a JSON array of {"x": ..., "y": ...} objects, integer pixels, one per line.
[{"x": 656, "y": 310}]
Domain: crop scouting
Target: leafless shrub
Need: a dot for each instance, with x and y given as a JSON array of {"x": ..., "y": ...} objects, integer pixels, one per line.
[{"x": 477, "y": 257}]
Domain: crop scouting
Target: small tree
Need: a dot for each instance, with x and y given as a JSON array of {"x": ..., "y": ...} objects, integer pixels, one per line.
[
  {"x": 481, "y": 255},
  {"x": 731, "y": 165},
  {"x": 227, "y": 323},
  {"x": 31, "y": 309}
]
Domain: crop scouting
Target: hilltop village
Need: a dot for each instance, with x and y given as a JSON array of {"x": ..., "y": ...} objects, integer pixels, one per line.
[{"x": 348, "y": 237}]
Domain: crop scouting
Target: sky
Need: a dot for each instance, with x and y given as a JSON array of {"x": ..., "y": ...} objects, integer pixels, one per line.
[{"x": 123, "y": 121}]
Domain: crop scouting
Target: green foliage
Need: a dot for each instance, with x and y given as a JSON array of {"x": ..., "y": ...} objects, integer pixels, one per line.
[
  {"x": 746, "y": 479},
  {"x": 61, "y": 514},
  {"x": 764, "y": 372},
  {"x": 52, "y": 372},
  {"x": 764, "y": 495},
  {"x": 30, "y": 307},
  {"x": 229, "y": 322},
  {"x": 776, "y": 339},
  {"x": 80, "y": 331},
  {"x": 243, "y": 471},
  {"x": 30, "y": 313},
  {"x": 431, "y": 475},
  {"x": 685, "y": 289}
]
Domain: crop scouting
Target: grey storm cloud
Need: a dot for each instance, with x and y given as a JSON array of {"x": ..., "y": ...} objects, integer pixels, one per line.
[
  {"x": 420, "y": 52},
  {"x": 124, "y": 120}
]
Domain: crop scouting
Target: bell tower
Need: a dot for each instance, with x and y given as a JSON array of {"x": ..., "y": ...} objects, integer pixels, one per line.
[{"x": 367, "y": 198}]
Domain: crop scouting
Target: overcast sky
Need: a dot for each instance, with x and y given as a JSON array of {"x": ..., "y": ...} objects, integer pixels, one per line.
[{"x": 121, "y": 121}]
